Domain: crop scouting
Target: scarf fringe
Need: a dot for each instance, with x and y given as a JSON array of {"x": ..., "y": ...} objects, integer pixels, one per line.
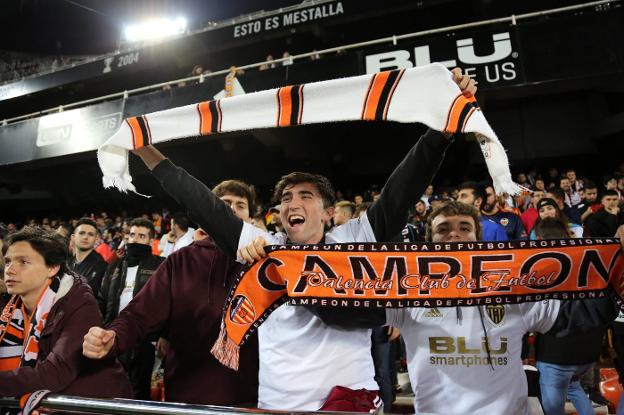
[
  {"x": 506, "y": 185},
  {"x": 121, "y": 184},
  {"x": 225, "y": 350}
]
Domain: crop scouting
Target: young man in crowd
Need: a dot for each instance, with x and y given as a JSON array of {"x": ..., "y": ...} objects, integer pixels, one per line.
[
  {"x": 86, "y": 261},
  {"x": 590, "y": 202},
  {"x": 302, "y": 359},
  {"x": 440, "y": 344},
  {"x": 572, "y": 196},
  {"x": 124, "y": 279},
  {"x": 511, "y": 222},
  {"x": 606, "y": 221},
  {"x": 181, "y": 234},
  {"x": 472, "y": 193},
  {"x": 185, "y": 297},
  {"x": 47, "y": 311},
  {"x": 576, "y": 184},
  {"x": 343, "y": 212}
]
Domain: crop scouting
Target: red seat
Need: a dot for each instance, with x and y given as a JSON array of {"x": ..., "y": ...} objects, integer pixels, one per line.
[{"x": 610, "y": 386}]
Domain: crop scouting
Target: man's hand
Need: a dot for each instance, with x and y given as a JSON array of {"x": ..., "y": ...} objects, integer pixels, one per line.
[
  {"x": 150, "y": 156},
  {"x": 98, "y": 343},
  {"x": 620, "y": 234},
  {"x": 254, "y": 251},
  {"x": 465, "y": 83}
]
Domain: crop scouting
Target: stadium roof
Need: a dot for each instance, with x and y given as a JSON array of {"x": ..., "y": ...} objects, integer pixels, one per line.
[{"x": 90, "y": 27}]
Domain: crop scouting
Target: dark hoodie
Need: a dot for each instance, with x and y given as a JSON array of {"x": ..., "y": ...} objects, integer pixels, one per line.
[
  {"x": 186, "y": 295},
  {"x": 61, "y": 367}
]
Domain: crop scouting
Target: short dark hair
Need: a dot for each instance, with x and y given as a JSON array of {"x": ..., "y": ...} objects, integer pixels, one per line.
[
  {"x": 609, "y": 193},
  {"x": 478, "y": 190},
  {"x": 322, "y": 183},
  {"x": 182, "y": 220},
  {"x": 50, "y": 245},
  {"x": 558, "y": 192},
  {"x": 552, "y": 228},
  {"x": 568, "y": 170},
  {"x": 240, "y": 189},
  {"x": 454, "y": 208},
  {"x": 145, "y": 223},
  {"x": 87, "y": 221},
  {"x": 590, "y": 185},
  {"x": 67, "y": 227}
]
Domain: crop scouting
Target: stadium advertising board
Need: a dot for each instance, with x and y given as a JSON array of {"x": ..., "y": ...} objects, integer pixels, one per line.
[
  {"x": 492, "y": 56},
  {"x": 78, "y": 130},
  {"x": 313, "y": 13}
]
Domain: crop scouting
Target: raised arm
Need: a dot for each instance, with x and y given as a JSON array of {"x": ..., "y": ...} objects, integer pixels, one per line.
[
  {"x": 411, "y": 177},
  {"x": 408, "y": 181},
  {"x": 203, "y": 206}
]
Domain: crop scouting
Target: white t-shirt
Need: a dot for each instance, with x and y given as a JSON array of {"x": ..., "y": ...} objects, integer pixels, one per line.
[
  {"x": 301, "y": 358},
  {"x": 447, "y": 358},
  {"x": 126, "y": 294}
]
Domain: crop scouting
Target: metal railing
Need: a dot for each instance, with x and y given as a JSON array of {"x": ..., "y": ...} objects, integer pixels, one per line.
[
  {"x": 513, "y": 19},
  {"x": 75, "y": 404}
]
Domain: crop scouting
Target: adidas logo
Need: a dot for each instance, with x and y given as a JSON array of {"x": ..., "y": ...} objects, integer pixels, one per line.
[{"x": 433, "y": 312}]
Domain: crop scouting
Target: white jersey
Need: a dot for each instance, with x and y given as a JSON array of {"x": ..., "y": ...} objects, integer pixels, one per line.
[
  {"x": 301, "y": 358},
  {"x": 447, "y": 356}
]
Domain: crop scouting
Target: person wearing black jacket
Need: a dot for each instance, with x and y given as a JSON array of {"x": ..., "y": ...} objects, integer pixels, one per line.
[
  {"x": 85, "y": 261},
  {"x": 606, "y": 221},
  {"x": 562, "y": 361},
  {"x": 123, "y": 280}
]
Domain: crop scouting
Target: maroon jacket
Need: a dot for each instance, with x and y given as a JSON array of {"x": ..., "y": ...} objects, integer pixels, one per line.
[
  {"x": 185, "y": 297},
  {"x": 61, "y": 367}
]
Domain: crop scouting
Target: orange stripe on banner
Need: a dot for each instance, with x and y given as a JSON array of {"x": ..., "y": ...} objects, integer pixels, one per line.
[
  {"x": 450, "y": 110},
  {"x": 137, "y": 135},
  {"x": 285, "y": 106},
  {"x": 206, "y": 118},
  {"x": 453, "y": 123},
  {"x": 10, "y": 363},
  {"x": 15, "y": 332},
  {"x": 373, "y": 97}
]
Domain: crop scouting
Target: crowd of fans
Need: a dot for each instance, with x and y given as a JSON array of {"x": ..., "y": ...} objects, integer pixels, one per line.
[
  {"x": 117, "y": 255},
  {"x": 15, "y": 65},
  {"x": 86, "y": 297}
]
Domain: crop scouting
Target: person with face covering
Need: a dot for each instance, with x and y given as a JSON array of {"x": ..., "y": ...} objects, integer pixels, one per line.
[{"x": 123, "y": 280}]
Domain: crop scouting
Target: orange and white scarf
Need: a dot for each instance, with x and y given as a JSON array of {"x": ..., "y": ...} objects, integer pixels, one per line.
[
  {"x": 20, "y": 331},
  {"x": 425, "y": 94},
  {"x": 396, "y": 275}
]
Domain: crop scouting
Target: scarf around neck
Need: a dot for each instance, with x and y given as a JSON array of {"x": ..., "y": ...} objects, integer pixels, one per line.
[
  {"x": 20, "y": 333},
  {"x": 398, "y": 275},
  {"x": 425, "y": 94}
]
